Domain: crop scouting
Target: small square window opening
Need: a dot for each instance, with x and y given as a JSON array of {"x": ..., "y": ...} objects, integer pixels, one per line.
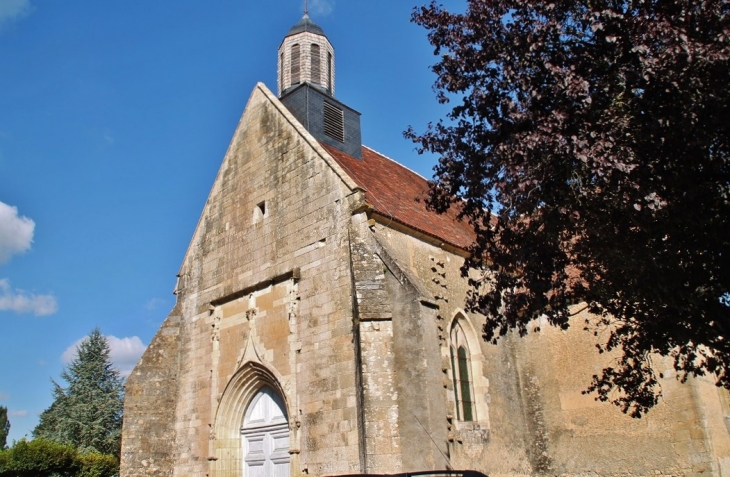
[{"x": 259, "y": 212}]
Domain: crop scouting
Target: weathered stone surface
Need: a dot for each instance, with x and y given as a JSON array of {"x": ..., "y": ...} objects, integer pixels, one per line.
[{"x": 149, "y": 406}]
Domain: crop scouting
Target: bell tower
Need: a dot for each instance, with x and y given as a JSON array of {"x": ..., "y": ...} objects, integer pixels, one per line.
[
  {"x": 307, "y": 88},
  {"x": 306, "y": 56}
]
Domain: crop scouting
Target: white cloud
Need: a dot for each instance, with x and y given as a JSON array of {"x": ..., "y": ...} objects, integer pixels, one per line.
[
  {"x": 14, "y": 10},
  {"x": 20, "y": 301},
  {"x": 17, "y": 413},
  {"x": 123, "y": 352},
  {"x": 16, "y": 232},
  {"x": 70, "y": 353},
  {"x": 320, "y": 8}
]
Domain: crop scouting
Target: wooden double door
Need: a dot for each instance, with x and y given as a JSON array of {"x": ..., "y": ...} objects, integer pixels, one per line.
[{"x": 265, "y": 436}]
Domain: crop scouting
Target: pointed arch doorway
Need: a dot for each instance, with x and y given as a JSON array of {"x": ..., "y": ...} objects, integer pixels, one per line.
[{"x": 265, "y": 436}]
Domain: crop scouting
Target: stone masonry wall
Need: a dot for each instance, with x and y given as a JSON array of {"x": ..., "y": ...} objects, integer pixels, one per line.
[
  {"x": 468, "y": 445},
  {"x": 538, "y": 420},
  {"x": 374, "y": 327},
  {"x": 288, "y": 284},
  {"x": 149, "y": 405},
  {"x": 278, "y": 212},
  {"x": 400, "y": 360}
]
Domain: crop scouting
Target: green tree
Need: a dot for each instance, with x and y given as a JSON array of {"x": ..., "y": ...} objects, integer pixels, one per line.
[
  {"x": 97, "y": 465},
  {"x": 45, "y": 458},
  {"x": 87, "y": 413},
  {"x": 39, "y": 458},
  {"x": 4, "y": 427},
  {"x": 589, "y": 148}
]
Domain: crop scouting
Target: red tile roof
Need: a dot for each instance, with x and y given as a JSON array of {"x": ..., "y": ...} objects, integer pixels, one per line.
[{"x": 399, "y": 193}]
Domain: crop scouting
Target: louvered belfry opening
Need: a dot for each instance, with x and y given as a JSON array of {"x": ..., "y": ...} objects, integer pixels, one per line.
[
  {"x": 315, "y": 64},
  {"x": 327, "y": 119},
  {"x": 307, "y": 88},
  {"x": 296, "y": 64},
  {"x": 306, "y": 56},
  {"x": 334, "y": 122}
]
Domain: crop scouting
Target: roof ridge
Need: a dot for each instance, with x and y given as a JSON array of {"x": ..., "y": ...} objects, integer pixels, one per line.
[{"x": 395, "y": 162}]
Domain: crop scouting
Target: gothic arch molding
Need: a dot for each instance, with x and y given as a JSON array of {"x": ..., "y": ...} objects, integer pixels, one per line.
[
  {"x": 476, "y": 362},
  {"x": 226, "y": 436},
  {"x": 470, "y": 332}
]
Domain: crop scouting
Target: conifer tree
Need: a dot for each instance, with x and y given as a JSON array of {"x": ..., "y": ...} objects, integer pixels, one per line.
[
  {"x": 87, "y": 413},
  {"x": 4, "y": 427}
]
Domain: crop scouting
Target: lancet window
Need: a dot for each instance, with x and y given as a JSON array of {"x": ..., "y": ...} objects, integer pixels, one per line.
[{"x": 462, "y": 374}]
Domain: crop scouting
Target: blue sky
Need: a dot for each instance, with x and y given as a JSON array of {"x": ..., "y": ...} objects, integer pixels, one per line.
[{"x": 114, "y": 118}]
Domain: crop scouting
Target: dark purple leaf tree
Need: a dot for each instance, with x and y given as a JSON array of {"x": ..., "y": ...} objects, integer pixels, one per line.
[{"x": 589, "y": 147}]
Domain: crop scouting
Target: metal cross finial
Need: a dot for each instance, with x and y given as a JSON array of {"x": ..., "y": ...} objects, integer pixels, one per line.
[{"x": 306, "y": 7}]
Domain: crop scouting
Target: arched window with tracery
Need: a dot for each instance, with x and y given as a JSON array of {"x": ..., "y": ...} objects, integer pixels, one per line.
[{"x": 462, "y": 374}]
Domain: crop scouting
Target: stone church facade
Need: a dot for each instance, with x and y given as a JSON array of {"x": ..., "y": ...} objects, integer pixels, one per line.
[{"x": 318, "y": 329}]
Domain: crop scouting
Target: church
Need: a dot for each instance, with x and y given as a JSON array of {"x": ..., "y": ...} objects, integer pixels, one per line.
[{"x": 319, "y": 329}]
